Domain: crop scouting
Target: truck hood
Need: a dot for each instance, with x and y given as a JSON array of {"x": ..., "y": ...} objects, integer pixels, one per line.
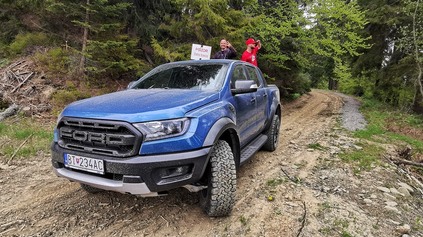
[{"x": 141, "y": 105}]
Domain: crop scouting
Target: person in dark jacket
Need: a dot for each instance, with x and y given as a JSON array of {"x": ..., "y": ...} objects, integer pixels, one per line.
[{"x": 227, "y": 51}]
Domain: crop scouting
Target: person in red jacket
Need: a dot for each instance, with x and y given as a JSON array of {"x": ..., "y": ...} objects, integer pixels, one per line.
[{"x": 250, "y": 54}]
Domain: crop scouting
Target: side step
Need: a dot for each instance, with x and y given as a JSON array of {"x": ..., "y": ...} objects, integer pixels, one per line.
[{"x": 248, "y": 151}]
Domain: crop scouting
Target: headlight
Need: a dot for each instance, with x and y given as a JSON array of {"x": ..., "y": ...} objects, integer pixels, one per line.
[{"x": 163, "y": 129}]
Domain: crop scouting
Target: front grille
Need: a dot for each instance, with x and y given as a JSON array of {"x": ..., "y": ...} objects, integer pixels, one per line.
[{"x": 111, "y": 138}]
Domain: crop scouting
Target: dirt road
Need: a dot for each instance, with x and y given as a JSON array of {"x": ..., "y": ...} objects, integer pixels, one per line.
[{"x": 301, "y": 189}]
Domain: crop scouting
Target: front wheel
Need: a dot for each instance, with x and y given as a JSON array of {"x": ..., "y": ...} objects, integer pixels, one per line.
[
  {"x": 219, "y": 197},
  {"x": 273, "y": 134}
]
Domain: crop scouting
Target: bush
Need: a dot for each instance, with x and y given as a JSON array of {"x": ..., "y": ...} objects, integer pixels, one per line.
[
  {"x": 61, "y": 98},
  {"x": 56, "y": 61},
  {"x": 24, "y": 41},
  {"x": 360, "y": 86}
]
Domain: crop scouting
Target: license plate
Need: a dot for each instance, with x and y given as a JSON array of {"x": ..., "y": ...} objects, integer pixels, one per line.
[{"x": 84, "y": 163}]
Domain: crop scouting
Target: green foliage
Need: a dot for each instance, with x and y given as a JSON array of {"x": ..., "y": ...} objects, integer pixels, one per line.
[
  {"x": 112, "y": 58},
  {"x": 390, "y": 63},
  {"x": 4, "y": 62},
  {"x": 380, "y": 116},
  {"x": 110, "y": 52},
  {"x": 24, "y": 41},
  {"x": 305, "y": 43},
  {"x": 57, "y": 61},
  {"x": 280, "y": 27},
  {"x": 335, "y": 33},
  {"x": 412, "y": 30},
  {"x": 167, "y": 54},
  {"x": 293, "y": 96},
  {"x": 358, "y": 86},
  {"x": 61, "y": 98},
  {"x": 201, "y": 22}
]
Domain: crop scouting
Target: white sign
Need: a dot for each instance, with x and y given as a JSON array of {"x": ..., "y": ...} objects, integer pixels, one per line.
[{"x": 200, "y": 52}]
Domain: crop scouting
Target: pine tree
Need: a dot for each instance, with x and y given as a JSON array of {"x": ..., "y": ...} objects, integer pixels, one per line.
[{"x": 104, "y": 48}]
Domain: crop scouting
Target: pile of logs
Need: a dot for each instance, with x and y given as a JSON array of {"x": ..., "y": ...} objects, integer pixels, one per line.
[{"x": 22, "y": 89}]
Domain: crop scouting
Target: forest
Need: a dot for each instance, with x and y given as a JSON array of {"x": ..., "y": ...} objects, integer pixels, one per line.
[{"x": 365, "y": 48}]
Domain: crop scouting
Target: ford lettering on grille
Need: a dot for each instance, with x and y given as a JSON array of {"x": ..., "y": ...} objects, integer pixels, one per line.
[{"x": 87, "y": 136}]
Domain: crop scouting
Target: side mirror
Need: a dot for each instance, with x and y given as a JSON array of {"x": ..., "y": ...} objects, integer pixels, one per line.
[
  {"x": 130, "y": 84},
  {"x": 244, "y": 86}
]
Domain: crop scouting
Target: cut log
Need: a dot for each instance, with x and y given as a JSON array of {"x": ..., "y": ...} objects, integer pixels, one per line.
[
  {"x": 407, "y": 162},
  {"x": 12, "y": 110}
]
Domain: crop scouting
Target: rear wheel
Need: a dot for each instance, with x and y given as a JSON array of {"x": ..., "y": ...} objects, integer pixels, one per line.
[
  {"x": 219, "y": 197},
  {"x": 273, "y": 134},
  {"x": 90, "y": 189}
]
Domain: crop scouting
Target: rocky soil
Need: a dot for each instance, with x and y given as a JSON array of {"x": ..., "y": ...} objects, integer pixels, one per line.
[{"x": 301, "y": 189}]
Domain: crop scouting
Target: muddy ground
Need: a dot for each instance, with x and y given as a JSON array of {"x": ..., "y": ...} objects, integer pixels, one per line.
[{"x": 301, "y": 189}]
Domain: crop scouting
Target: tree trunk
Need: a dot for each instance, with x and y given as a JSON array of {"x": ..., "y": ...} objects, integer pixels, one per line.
[
  {"x": 418, "y": 103},
  {"x": 418, "y": 98},
  {"x": 330, "y": 86},
  {"x": 84, "y": 39},
  {"x": 333, "y": 84}
]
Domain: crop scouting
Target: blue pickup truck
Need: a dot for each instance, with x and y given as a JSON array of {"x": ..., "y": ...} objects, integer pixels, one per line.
[{"x": 188, "y": 124}]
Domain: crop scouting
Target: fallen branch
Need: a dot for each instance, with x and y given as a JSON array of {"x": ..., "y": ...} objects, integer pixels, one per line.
[
  {"x": 303, "y": 220},
  {"x": 407, "y": 174},
  {"x": 23, "y": 82},
  {"x": 9, "y": 111},
  {"x": 295, "y": 179},
  {"x": 22, "y": 73},
  {"x": 406, "y": 162},
  {"x": 15, "y": 64},
  {"x": 20, "y": 146}
]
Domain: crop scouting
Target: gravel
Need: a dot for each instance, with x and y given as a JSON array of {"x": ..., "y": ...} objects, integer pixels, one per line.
[{"x": 352, "y": 119}]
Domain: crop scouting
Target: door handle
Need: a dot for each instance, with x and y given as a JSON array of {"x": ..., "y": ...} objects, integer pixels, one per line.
[
  {"x": 253, "y": 100},
  {"x": 264, "y": 95}
]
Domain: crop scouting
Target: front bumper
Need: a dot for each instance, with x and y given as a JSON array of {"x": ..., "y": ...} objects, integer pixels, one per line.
[{"x": 138, "y": 175}]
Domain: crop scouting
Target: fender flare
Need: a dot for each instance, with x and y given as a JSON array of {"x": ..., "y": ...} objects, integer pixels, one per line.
[
  {"x": 273, "y": 110},
  {"x": 218, "y": 128}
]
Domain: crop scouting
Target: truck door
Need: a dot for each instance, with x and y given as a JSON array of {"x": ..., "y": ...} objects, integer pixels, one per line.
[
  {"x": 262, "y": 99},
  {"x": 245, "y": 105}
]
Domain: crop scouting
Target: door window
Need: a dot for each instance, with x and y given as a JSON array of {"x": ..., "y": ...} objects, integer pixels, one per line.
[
  {"x": 252, "y": 72},
  {"x": 238, "y": 74}
]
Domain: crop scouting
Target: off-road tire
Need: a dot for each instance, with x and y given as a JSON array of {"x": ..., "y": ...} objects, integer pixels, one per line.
[
  {"x": 218, "y": 198},
  {"x": 90, "y": 189},
  {"x": 273, "y": 134}
]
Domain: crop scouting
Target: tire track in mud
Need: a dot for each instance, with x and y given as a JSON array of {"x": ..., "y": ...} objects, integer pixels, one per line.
[{"x": 36, "y": 203}]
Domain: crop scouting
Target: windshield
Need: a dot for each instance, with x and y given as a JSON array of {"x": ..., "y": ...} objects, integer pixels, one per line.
[{"x": 193, "y": 77}]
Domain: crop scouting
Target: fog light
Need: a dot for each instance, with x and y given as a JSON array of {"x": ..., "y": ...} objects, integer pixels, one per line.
[{"x": 174, "y": 172}]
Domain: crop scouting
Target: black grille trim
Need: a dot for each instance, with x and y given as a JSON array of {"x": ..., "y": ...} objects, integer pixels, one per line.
[{"x": 104, "y": 137}]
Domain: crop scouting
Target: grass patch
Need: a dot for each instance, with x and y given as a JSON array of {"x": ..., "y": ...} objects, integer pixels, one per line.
[
  {"x": 337, "y": 228},
  {"x": 316, "y": 146},
  {"x": 243, "y": 220},
  {"x": 386, "y": 125},
  {"x": 370, "y": 154},
  {"x": 346, "y": 234},
  {"x": 275, "y": 182},
  {"x": 23, "y": 138}
]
